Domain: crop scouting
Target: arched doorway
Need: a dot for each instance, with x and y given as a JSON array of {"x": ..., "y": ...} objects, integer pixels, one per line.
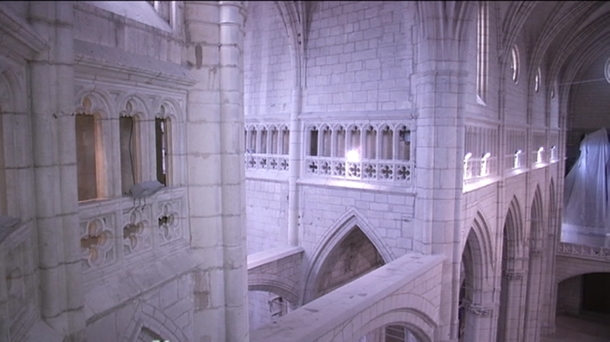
[{"x": 534, "y": 270}]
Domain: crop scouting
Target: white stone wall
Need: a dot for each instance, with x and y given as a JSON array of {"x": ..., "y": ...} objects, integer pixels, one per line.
[
  {"x": 387, "y": 213},
  {"x": 266, "y": 210},
  {"x": 166, "y": 311},
  {"x": 359, "y": 57},
  {"x": 268, "y": 75}
]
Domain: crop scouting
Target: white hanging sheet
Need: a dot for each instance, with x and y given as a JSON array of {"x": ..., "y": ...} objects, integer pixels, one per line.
[{"x": 586, "y": 185}]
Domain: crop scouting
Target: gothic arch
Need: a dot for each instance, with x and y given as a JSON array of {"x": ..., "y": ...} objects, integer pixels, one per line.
[
  {"x": 513, "y": 229},
  {"x": 481, "y": 241},
  {"x": 147, "y": 317},
  {"x": 94, "y": 101},
  {"x": 536, "y": 234},
  {"x": 133, "y": 104},
  {"x": 333, "y": 236},
  {"x": 282, "y": 287},
  {"x": 420, "y": 319}
]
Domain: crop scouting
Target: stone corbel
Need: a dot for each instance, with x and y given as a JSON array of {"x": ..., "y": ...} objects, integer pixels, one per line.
[
  {"x": 479, "y": 310},
  {"x": 512, "y": 275}
]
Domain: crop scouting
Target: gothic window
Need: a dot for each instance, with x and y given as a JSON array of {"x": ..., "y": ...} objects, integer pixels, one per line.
[
  {"x": 339, "y": 139},
  {"x": 127, "y": 140},
  {"x": 325, "y": 141},
  {"x": 86, "y": 156},
  {"x": 313, "y": 141},
  {"x": 387, "y": 143},
  {"x": 161, "y": 146},
  {"x": 370, "y": 143},
  {"x": 482, "y": 49},
  {"x": 263, "y": 142},
  {"x": 514, "y": 64},
  {"x": 354, "y": 142},
  {"x": 537, "y": 80},
  {"x": 403, "y": 149},
  {"x": 285, "y": 140},
  {"x": 274, "y": 140},
  {"x": 251, "y": 135}
]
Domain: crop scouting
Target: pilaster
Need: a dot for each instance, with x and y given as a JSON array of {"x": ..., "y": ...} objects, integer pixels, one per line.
[{"x": 52, "y": 94}]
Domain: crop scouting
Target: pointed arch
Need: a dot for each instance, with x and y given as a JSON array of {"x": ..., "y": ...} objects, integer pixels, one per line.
[
  {"x": 151, "y": 321},
  {"x": 536, "y": 234},
  {"x": 332, "y": 238},
  {"x": 479, "y": 241},
  {"x": 96, "y": 101},
  {"x": 513, "y": 230}
]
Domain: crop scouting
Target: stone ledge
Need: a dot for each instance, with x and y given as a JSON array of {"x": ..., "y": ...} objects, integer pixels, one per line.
[
  {"x": 112, "y": 63},
  {"x": 313, "y": 320},
  {"x": 261, "y": 258}
]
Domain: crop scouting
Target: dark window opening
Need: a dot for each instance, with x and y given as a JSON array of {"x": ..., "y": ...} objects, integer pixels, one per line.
[
  {"x": 161, "y": 148},
  {"x": 127, "y": 139},
  {"x": 86, "y": 157}
]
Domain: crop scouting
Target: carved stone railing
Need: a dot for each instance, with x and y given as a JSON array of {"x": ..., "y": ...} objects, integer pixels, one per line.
[
  {"x": 273, "y": 162},
  {"x": 18, "y": 281},
  {"x": 584, "y": 252},
  {"x": 124, "y": 231},
  {"x": 393, "y": 171}
]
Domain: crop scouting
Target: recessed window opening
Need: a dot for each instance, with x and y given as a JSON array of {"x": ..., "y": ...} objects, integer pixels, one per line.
[
  {"x": 354, "y": 140},
  {"x": 387, "y": 143},
  {"x": 370, "y": 143},
  {"x": 537, "y": 80},
  {"x": 339, "y": 143},
  {"x": 514, "y": 64},
  {"x": 263, "y": 142},
  {"x": 325, "y": 141},
  {"x": 404, "y": 144},
  {"x": 482, "y": 50},
  {"x": 274, "y": 140},
  {"x": 285, "y": 141},
  {"x": 127, "y": 137},
  {"x": 161, "y": 144},
  {"x": 313, "y": 142},
  {"x": 86, "y": 159}
]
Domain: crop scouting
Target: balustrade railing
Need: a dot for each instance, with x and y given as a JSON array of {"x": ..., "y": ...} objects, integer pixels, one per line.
[
  {"x": 274, "y": 162},
  {"x": 583, "y": 251},
  {"x": 393, "y": 171}
]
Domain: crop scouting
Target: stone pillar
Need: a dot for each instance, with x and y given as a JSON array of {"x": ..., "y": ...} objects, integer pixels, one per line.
[
  {"x": 440, "y": 84},
  {"x": 52, "y": 93},
  {"x": 511, "y": 307},
  {"x": 532, "y": 307},
  {"x": 216, "y": 175},
  {"x": 294, "y": 163},
  {"x": 479, "y": 325}
]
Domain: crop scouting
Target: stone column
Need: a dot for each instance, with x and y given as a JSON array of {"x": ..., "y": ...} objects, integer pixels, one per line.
[
  {"x": 532, "y": 307},
  {"x": 52, "y": 89},
  {"x": 510, "y": 320},
  {"x": 294, "y": 163},
  {"x": 216, "y": 175},
  {"x": 440, "y": 84},
  {"x": 232, "y": 18}
]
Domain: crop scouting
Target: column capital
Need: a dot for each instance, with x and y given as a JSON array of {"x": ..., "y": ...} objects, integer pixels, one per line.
[{"x": 512, "y": 275}]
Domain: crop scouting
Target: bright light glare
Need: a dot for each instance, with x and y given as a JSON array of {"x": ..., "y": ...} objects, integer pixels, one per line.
[{"x": 352, "y": 156}]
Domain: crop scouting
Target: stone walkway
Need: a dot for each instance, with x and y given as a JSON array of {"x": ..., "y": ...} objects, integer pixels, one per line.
[{"x": 585, "y": 328}]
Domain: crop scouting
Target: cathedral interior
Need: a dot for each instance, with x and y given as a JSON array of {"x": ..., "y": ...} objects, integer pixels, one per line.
[{"x": 304, "y": 171}]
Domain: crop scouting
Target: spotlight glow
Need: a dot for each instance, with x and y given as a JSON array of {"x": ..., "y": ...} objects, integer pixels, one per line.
[{"x": 352, "y": 156}]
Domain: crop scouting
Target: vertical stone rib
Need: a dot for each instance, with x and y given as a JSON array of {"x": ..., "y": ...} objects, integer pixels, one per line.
[
  {"x": 233, "y": 172},
  {"x": 52, "y": 104}
]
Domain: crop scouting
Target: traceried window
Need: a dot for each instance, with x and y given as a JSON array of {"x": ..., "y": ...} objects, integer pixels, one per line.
[
  {"x": 127, "y": 138},
  {"x": 482, "y": 50},
  {"x": 514, "y": 64},
  {"x": 161, "y": 144},
  {"x": 86, "y": 157}
]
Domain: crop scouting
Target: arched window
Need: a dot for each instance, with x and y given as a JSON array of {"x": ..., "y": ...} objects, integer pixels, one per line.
[
  {"x": 514, "y": 64},
  {"x": 482, "y": 50},
  {"x": 537, "y": 80}
]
